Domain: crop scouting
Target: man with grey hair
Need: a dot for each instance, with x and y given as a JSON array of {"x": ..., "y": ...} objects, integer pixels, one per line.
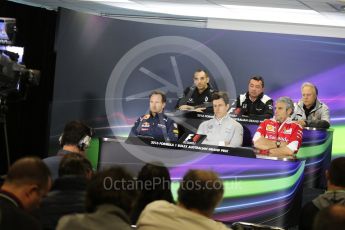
[
  {"x": 309, "y": 111},
  {"x": 279, "y": 136}
]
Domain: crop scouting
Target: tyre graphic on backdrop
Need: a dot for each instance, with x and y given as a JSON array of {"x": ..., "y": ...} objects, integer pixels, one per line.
[{"x": 159, "y": 63}]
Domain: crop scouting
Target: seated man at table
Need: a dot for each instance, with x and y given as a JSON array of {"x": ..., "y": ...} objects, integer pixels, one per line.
[
  {"x": 255, "y": 102},
  {"x": 221, "y": 130},
  {"x": 156, "y": 124},
  {"x": 279, "y": 136},
  {"x": 197, "y": 97},
  {"x": 309, "y": 111}
]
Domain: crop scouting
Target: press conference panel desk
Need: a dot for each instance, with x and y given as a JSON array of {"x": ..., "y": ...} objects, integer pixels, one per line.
[
  {"x": 316, "y": 147},
  {"x": 256, "y": 190}
]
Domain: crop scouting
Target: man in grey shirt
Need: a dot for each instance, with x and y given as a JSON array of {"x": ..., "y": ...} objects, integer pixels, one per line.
[{"x": 221, "y": 130}]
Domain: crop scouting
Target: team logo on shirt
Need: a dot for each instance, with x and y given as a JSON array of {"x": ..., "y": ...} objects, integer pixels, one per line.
[
  {"x": 161, "y": 125},
  {"x": 145, "y": 125},
  {"x": 271, "y": 137},
  {"x": 288, "y": 131},
  {"x": 270, "y": 128},
  {"x": 190, "y": 100},
  {"x": 283, "y": 139},
  {"x": 206, "y": 98}
]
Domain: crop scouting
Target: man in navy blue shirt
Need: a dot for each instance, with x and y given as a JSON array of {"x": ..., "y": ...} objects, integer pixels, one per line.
[{"x": 156, "y": 124}]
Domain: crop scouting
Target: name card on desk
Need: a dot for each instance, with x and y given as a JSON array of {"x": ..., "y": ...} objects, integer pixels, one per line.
[
  {"x": 204, "y": 115},
  {"x": 242, "y": 152},
  {"x": 189, "y": 114},
  {"x": 246, "y": 119}
]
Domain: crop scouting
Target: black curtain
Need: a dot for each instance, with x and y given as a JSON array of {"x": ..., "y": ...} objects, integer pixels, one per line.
[{"x": 28, "y": 120}]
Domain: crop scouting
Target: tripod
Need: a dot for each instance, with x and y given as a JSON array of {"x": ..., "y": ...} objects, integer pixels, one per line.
[{"x": 3, "y": 120}]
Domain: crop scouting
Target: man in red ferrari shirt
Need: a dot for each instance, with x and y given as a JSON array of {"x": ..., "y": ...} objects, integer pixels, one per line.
[{"x": 279, "y": 136}]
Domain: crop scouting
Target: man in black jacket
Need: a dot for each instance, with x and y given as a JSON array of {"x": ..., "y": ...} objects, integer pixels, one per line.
[
  {"x": 68, "y": 192},
  {"x": 197, "y": 97},
  {"x": 255, "y": 102},
  {"x": 335, "y": 194},
  {"x": 27, "y": 182}
]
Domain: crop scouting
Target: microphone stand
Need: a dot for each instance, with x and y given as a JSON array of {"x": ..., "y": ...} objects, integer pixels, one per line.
[{"x": 3, "y": 120}]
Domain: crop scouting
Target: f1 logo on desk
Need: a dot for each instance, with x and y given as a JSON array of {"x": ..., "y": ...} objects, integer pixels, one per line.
[{"x": 194, "y": 139}]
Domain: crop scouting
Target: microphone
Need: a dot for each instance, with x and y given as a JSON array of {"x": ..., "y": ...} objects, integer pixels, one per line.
[{"x": 238, "y": 111}]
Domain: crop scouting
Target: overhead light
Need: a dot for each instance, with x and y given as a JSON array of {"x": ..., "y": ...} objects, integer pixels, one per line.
[
  {"x": 227, "y": 11},
  {"x": 112, "y": 2},
  {"x": 273, "y": 14}
]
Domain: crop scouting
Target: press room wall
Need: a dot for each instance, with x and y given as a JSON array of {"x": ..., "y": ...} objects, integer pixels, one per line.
[{"x": 106, "y": 67}]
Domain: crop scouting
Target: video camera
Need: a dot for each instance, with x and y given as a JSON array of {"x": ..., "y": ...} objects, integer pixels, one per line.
[
  {"x": 14, "y": 76},
  {"x": 8, "y": 30}
]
